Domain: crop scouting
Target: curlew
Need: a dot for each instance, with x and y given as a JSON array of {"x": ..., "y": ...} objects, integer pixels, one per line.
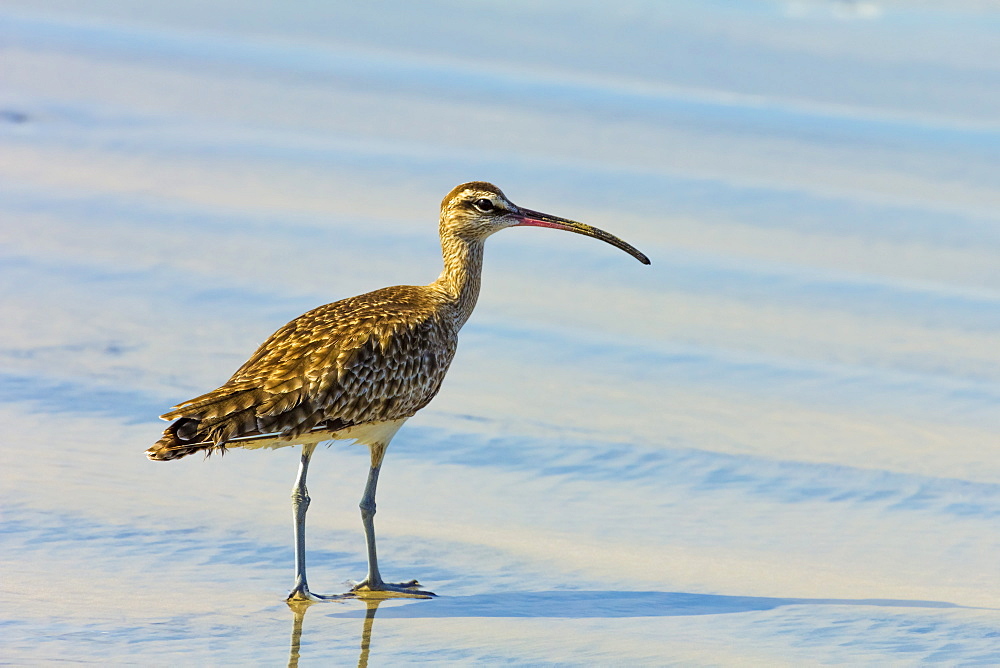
[{"x": 357, "y": 369}]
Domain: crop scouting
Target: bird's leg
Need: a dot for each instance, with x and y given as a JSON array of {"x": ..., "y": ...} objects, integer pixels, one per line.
[
  {"x": 373, "y": 582},
  {"x": 300, "y": 504},
  {"x": 367, "y": 506}
]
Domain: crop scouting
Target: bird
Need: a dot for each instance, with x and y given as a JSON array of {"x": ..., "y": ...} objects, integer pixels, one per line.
[{"x": 357, "y": 369}]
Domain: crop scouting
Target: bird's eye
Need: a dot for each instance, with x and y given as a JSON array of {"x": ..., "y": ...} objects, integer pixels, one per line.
[{"x": 484, "y": 205}]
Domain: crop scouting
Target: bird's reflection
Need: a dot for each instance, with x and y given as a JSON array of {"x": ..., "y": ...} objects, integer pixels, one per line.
[
  {"x": 366, "y": 632},
  {"x": 299, "y": 609}
]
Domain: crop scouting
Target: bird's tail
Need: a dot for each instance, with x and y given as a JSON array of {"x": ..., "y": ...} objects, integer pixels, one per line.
[
  {"x": 228, "y": 417},
  {"x": 206, "y": 423},
  {"x": 181, "y": 439}
]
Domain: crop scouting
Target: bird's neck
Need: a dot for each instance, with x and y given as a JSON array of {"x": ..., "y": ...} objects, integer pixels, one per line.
[{"x": 463, "y": 269}]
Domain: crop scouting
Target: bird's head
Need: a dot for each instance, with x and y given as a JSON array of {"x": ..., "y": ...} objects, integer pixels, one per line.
[{"x": 475, "y": 210}]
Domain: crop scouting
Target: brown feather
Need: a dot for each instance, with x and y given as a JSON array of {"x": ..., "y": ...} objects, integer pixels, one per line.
[{"x": 376, "y": 357}]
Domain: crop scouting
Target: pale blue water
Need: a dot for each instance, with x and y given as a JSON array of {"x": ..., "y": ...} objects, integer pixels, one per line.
[{"x": 776, "y": 445}]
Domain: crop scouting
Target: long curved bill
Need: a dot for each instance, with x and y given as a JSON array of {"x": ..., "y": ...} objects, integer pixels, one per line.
[{"x": 531, "y": 218}]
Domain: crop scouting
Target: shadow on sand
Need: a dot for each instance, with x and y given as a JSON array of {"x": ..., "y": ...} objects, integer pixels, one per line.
[
  {"x": 577, "y": 604},
  {"x": 582, "y": 604}
]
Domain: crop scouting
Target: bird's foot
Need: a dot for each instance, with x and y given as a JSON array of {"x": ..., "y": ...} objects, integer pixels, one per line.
[
  {"x": 302, "y": 595},
  {"x": 368, "y": 589}
]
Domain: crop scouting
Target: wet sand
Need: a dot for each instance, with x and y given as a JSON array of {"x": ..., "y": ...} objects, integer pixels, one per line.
[{"x": 778, "y": 445}]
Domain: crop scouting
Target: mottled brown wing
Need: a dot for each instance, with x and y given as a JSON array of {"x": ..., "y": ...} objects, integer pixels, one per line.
[{"x": 378, "y": 356}]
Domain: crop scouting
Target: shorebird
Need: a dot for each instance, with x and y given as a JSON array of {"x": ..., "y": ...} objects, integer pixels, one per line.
[{"x": 357, "y": 369}]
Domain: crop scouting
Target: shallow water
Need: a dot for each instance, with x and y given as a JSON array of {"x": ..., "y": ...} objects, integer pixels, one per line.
[{"x": 776, "y": 445}]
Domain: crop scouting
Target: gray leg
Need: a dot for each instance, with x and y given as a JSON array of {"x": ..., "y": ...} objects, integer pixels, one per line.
[
  {"x": 367, "y": 506},
  {"x": 373, "y": 582},
  {"x": 300, "y": 504}
]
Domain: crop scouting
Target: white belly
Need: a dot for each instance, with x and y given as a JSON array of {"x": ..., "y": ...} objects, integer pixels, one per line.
[{"x": 371, "y": 433}]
